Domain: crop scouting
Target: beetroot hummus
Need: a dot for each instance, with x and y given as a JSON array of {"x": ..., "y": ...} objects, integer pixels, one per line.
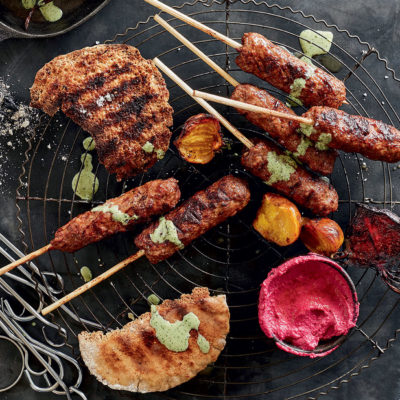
[{"x": 305, "y": 301}]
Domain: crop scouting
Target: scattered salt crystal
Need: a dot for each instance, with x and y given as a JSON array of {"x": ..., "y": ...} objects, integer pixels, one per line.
[{"x": 100, "y": 101}]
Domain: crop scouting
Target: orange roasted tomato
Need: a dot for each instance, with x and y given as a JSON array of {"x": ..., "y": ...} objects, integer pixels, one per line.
[{"x": 200, "y": 138}]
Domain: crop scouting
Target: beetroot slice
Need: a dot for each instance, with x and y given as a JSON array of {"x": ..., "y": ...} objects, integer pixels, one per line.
[{"x": 373, "y": 240}]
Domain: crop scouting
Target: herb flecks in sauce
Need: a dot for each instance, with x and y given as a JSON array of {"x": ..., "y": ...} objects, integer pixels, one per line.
[
  {"x": 315, "y": 43},
  {"x": 148, "y": 147},
  {"x": 302, "y": 147},
  {"x": 86, "y": 274},
  {"x": 153, "y": 299},
  {"x": 160, "y": 154},
  {"x": 306, "y": 130},
  {"x": 175, "y": 336},
  {"x": 323, "y": 140},
  {"x": 89, "y": 144},
  {"x": 84, "y": 183},
  {"x": 50, "y": 12},
  {"x": 116, "y": 214},
  {"x": 281, "y": 167},
  {"x": 166, "y": 231},
  {"x": 295, "y": 91}
]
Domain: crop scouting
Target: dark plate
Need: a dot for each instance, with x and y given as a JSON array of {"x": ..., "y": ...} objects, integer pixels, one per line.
[{"x": 76, "y": 12}]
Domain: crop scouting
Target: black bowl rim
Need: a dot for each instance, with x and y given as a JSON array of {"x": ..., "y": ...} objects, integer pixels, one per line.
[{"x": 20, "y": 33}]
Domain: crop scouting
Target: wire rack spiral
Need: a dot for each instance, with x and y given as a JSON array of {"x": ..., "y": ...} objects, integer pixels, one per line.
[{"x": 231, "y": 259}]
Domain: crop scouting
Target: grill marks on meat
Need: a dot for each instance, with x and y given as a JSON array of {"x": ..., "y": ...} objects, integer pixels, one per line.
[
  {"x": 308, "y": 191},
  {"x": 153, "y": 198},
  {"x": 353, "y": 133},
  {"x": 114, "y": 94},
  {"x": 272, "y": 63},
  {"x": 203, "y": 211},
  {"x": 284, "y": 131},
  {"x": 133, "y": 359}
]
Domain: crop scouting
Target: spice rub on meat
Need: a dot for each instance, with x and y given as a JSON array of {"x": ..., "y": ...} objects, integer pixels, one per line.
[
  {"x": 118, "y": 214},
  {"x": 201, "y": 212},
  {"x": 132, "y": 358},
  {"x": 117, "y": 96}
]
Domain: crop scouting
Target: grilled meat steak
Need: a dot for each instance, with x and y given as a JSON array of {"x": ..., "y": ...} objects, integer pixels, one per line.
[
  {"x": 117, "y": 96},
  {"x": 269, "y": 163},
  {"x": 118, "y": 214},
  {"x": 132, "y": 358},
  {"x": 203, "y": 211},
  {"x": 284, "y": 130},
  {"x": 274, "y": 64}
]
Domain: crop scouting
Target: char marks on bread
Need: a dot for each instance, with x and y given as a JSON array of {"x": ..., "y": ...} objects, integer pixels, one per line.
[{"x": 133, "y": 359}]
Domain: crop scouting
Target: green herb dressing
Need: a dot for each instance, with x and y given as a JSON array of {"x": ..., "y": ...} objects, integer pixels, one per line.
[
  {"x": 89, "y": 144},
  {"x": 153, "y": 299},
  {"x": 84, "y": 183},
  {"x": 295, "y": 91},
  {"x": 175, "y": 336},
  {"x": 50, "y": 12},
  {"x": 166, "y": 231},
  {"x": 86, "y": 274},
  {"x": 116, "y": 214},
  {"x": 281, "y": 167},
  {"x": 160, "y": 154},
  {"x": 148, "y": 147},
  {"x": 302, "y": 147},
  {"x": 307, "y": 130},
  {"x": 28, "y": 4},
  {"x": 315, "y": 43},
  {"x": 323, "y": 140}
]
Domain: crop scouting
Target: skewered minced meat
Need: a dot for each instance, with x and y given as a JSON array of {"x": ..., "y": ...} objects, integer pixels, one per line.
[
  {"x": 204, "y": 210},
  {"x": 274, "y": 64},
  {"x": 118, "y": 214},
  {"x": 284, "y": 131}
]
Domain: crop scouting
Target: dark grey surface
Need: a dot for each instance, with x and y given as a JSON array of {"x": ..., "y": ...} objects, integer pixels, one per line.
[{"x": 373, "y": 21}]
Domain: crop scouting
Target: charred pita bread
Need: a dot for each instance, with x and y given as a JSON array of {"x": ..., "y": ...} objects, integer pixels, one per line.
[{"x": 133, "y": 358}]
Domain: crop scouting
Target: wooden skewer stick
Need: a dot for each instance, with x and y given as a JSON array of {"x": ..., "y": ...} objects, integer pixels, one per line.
[
  {"x": 23, "y": 260},
  {"x": 92, "y": 283},
  {"x": 203, "y": 28},
  {"x": 250, "y": 107},
  {"x": 183, "y": 85},
  {"x": 226, "y": 76},
  {"x": 196, "y": 50},
  {"x": 194, "y": 23}
]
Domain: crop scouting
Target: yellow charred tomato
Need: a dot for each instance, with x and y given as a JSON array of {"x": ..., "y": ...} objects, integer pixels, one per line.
[
  {"x": 278, "y": 220},
  {"x": 200, "y": 138}
]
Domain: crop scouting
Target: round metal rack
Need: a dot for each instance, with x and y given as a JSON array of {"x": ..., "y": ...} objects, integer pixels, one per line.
[{"x": 231, "y": 259}]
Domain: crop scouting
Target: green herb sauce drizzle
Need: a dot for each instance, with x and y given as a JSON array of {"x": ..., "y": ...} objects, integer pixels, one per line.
[
  {"x": 166, "y": 231},
  {"x": 84, "y": 183},
  {"x": 116, "y": 214},
  {"x": 175, "y": 336},
  {"x": 281, "y": 167}
]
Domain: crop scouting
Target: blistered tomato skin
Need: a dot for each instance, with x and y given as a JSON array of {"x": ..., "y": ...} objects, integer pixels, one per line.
[{"x": 200, "y": 138}]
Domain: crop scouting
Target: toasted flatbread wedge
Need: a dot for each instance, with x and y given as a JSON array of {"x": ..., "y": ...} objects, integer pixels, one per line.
[{"x": 133, "y": 359}]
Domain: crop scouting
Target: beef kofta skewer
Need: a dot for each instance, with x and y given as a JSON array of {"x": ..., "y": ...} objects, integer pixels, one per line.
[
  {"x": 280, "y": 170},
  {"x": 259, "y": 56},
  {"x": 115, "y": 215},
  {"x": 280, "y": 122},
  {"x": 203, "y": 211}
]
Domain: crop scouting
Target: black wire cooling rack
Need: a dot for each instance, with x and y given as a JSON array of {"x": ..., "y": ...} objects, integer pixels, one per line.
[{"x": 231, "y": 259}]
